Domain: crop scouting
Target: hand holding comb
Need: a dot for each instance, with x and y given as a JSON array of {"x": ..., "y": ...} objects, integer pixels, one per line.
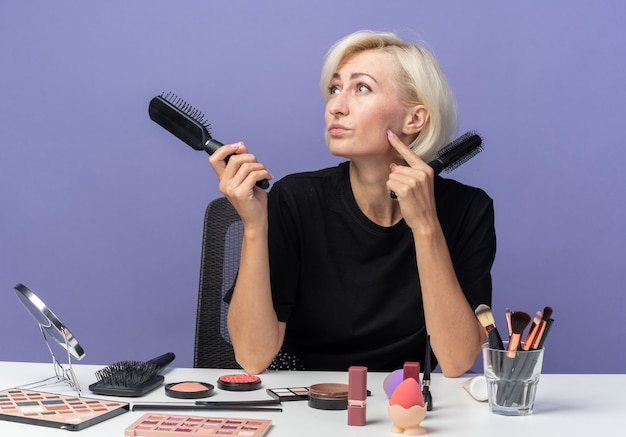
[
  {"x": 456, "y": 153},
  {"x": 186, "y": 123}
]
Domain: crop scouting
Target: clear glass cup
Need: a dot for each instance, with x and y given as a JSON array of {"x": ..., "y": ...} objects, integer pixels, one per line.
[{"x": 512, "y": 379}]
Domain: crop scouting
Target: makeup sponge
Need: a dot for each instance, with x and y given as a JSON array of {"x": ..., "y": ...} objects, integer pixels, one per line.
[
  {"x": 392, "y": 380},
  {"x": 407, "y": 394}
]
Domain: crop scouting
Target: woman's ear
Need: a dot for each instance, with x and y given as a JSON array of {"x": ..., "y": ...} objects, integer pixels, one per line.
[{"x": 417, "y": 117}]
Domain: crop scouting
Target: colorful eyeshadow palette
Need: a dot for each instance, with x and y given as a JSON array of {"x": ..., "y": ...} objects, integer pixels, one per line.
[
  {"x": 56, "y": 411},
  {"x": 289, "y": 393},
  {"x": 161, "y": 425}
]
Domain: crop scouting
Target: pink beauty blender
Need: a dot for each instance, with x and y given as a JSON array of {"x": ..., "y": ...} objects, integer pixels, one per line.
[{"x": 407, "y": 394}]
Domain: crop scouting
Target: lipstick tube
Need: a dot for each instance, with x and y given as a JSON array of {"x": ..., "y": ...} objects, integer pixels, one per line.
[
  {"x": 411, "y": 369},
  {"x": 357, "y": 395}
]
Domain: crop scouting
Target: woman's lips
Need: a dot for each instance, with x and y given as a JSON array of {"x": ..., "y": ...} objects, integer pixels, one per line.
[{"x": 337, "y": 129}]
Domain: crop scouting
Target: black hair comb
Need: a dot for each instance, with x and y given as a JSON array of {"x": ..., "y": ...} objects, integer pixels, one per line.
[
  {"x": 131, "y": 378},
  {"x": 456, "y": 153},
  {"x": 186, "y": 123}
]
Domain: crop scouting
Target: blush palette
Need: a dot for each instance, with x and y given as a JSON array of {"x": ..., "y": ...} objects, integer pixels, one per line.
[
  {"x": 56, "y": 411},
  {"x": 163, "y": 425}
]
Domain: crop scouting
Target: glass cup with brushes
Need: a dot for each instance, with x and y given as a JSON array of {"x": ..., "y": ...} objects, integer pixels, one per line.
[{"x": 512, "y": 369}]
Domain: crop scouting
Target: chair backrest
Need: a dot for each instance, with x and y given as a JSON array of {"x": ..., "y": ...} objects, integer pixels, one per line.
[{"x": 221, "y": 250}]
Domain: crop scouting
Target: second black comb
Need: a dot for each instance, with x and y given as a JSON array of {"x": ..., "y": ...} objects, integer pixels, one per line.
[{"x": 187, "y": 124}]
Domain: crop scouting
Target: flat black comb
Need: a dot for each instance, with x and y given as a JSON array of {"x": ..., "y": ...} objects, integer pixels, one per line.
[
  {"x": 187, "y": 124},
  {"x": 131, "y": 378}
]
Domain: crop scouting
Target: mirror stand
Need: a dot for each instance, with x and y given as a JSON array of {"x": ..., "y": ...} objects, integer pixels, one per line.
[
  {"x": 51, "y": 327},
  {"x": 61, "y": 374}
]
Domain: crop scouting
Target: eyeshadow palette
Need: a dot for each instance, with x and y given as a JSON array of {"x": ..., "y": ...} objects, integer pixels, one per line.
[
  {"x": 163, "y": 425},
  {"x": 289, "y": 393},
  {"x": 56, "y": 411}
]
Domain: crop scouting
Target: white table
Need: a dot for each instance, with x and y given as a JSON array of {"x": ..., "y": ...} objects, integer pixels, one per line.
[{"x": 566, "y": 405}]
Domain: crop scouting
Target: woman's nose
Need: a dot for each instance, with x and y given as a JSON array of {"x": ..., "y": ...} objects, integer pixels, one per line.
[{"x": 338, "y": 104}]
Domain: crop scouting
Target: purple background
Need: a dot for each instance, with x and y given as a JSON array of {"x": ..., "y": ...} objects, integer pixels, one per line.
[{"x": 101, "y": 210}]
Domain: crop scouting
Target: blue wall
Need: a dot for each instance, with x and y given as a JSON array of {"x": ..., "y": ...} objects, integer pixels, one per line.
[{"x": 101, "y": 210}]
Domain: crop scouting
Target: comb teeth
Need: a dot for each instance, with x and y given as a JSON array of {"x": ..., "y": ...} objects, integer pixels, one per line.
[
  {"x": 127, "y": 373},
  {"x": 460, "y": 151},
  {"x": 186, "y": 108}
]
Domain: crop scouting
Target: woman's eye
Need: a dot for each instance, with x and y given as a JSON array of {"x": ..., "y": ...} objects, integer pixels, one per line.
[
  {"x": 333, "y": 90},
  {"x": 363, "y": 88}
]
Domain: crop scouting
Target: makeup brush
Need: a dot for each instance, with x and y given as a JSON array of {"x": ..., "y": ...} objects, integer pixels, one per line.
[
  {"x": 243, "y": 405},
  {"x": 507, "y": 315},
  {"x": 131, "y": 378},
  {"x": 510, "y": 363},
  {"x": 519, "y": 322},
  {"x": 186, "y": 123},
  {"x": 532, "y": 332},
  {"x": 525, "y": 367},
  {"x": 426, "y": 394},
  {"x": 549, "y": 323},
  {"x": 547, "y": 313},
  {"x": 455, "y": 153},
  {"x": 485, "y": 317}
]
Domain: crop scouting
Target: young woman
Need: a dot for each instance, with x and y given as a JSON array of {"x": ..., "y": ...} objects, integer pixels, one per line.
[{"x": 334, "y": 271}]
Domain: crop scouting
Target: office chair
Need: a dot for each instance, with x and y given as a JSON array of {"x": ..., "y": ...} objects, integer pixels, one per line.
[
  {"x": 221, "y": 250},
  {"x": 219, "y": 264}
]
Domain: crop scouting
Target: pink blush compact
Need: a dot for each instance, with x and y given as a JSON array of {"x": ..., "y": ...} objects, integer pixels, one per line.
[{"x": 239, "y": 382}]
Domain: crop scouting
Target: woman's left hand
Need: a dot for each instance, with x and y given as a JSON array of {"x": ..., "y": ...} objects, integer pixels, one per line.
[{"x": 413, "y": 185}]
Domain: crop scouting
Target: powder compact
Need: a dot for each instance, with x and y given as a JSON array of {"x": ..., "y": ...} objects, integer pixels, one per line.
[
  {"x": 239, "y": 382},
  {"x": 188, "y": 390},
  {"x": 328, "y": 396}
]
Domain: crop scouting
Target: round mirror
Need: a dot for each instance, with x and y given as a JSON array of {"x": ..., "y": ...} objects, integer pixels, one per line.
[{"x": 49, "y": 323}]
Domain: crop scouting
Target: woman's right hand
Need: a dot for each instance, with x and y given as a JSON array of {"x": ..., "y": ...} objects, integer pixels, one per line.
[
  {"x": 238, "y": 178},
  {"x": 255, "y": 331}
]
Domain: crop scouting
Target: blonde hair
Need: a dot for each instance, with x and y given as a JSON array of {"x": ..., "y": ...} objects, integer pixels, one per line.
[{"x": 421, "y": 81}]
